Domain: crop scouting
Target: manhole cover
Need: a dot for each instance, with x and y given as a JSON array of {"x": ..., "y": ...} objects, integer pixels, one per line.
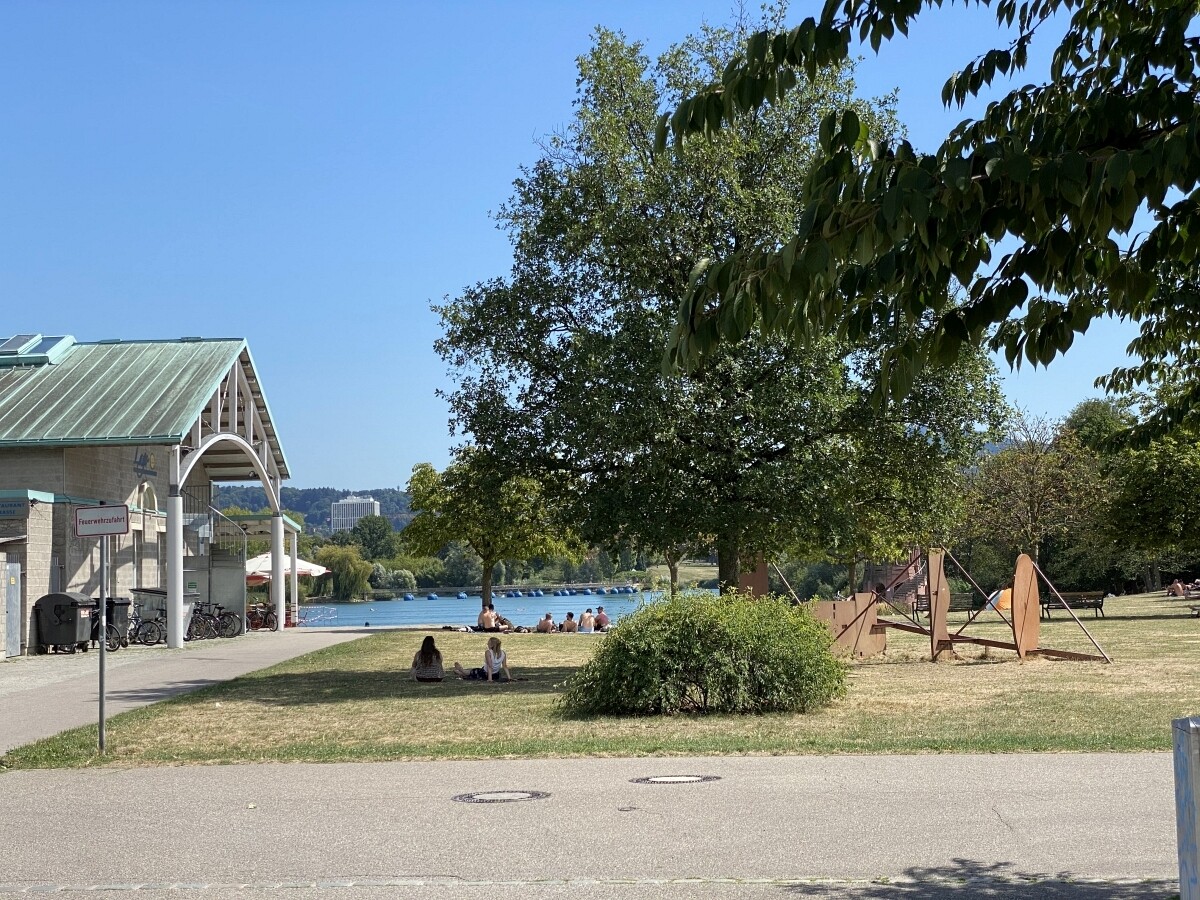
[
  {"x": 675, "y": 779},
  {"x": 501, "y": 796}
]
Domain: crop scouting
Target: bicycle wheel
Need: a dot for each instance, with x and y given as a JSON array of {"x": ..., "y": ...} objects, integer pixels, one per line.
[
  {"x": 270, "y": 620},
  {"x": 112, "y": 637},
  {"x": 150, "y": 633},
  {"x": 231, "y": 625}
]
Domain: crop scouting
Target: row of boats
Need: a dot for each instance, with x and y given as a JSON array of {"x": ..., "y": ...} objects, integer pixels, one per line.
[{"x": 537, "y": 592}]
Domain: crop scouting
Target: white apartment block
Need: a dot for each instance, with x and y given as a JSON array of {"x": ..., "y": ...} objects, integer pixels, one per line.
[{"x": 344, "y": 514}]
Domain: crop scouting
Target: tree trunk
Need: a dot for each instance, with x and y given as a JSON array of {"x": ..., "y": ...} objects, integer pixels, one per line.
[
  {"x": 672, "y": 558},
  {"x": 485, "y": 587},
  {"x": 851, "y": 576},
  {"x": 728, "y": 565},
  {"x": 1156, "y": 576}
]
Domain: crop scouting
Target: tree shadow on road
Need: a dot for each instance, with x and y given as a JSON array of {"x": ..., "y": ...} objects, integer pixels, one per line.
[{"x": 997, "y": 881}]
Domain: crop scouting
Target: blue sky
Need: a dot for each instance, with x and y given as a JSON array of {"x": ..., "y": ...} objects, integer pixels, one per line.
[{"x": 310, "y": 176}]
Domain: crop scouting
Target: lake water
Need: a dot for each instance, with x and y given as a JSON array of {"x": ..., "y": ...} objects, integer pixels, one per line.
[{"x": 451, "y": 611}]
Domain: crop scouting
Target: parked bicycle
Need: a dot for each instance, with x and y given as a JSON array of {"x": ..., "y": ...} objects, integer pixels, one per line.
[
  {"x": 152, "y": 631},
  {"x": 261, "y": 616},
  {"x": 111, "y": 632}
]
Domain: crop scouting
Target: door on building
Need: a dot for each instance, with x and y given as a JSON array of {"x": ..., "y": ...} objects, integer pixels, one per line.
[{"x": 12, "y": 608}]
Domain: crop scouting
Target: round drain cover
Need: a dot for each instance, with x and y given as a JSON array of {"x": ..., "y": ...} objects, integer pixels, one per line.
[
  {"x": 675, "y": 779},
  {"x": 501, "y": 796}
]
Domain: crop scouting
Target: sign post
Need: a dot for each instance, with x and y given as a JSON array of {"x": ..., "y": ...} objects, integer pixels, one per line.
[{"x": 102, "y": 521}]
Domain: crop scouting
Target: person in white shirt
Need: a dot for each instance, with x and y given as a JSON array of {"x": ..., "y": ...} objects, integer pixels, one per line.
[{"x": 495, "y": 665}]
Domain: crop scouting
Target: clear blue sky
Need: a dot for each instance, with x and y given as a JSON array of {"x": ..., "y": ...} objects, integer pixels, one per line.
[{"x": 311, "y": 175}]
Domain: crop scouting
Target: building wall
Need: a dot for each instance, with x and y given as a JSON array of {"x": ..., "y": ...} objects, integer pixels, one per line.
[
  {"x": 51, "y": 557},
  {"x": 32, "y": 470},
  {"x": 135, "y": 475}
]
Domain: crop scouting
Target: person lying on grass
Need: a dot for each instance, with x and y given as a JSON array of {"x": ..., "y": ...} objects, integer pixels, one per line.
[{"x": 495, "y": 665}]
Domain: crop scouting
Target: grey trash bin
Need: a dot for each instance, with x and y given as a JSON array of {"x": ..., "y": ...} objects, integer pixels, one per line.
[{"x": 64, "y": 622}]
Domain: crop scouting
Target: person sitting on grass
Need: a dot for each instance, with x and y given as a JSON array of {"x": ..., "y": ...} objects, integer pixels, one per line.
[
  {"x": 587, "y": 622},
  {"x": 569, "y": 624},
  {"x": 546, "y": 625},
  {"x": 495, "y": 665},
  {"x": 427, "y": 664},
  {"x": 486, "y": 620},
  {"x": 602, "y": 619}
]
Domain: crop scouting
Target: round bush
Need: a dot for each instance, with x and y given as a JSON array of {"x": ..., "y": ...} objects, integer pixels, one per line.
[{"x": 699, "y": 652}]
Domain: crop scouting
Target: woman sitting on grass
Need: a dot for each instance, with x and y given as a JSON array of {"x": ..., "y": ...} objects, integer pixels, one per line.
[
  {"x": 495, "y": 665},
  {"x": 427, "y": 664}
]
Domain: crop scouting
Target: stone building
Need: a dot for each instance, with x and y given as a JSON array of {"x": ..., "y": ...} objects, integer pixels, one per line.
[{"x": 150, "y": 424}]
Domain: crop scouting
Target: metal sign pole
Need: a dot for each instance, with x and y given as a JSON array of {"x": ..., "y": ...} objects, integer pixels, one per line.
[{"x": 103, "y": 631}]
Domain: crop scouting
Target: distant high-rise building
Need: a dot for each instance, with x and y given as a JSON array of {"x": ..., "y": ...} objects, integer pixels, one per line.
[{"x": 344, "y": 514}]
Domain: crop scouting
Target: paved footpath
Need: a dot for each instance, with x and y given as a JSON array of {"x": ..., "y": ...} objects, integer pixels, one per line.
[
  {"x": 43, "y": 695},
  {"x": 1076, "y": 826}
]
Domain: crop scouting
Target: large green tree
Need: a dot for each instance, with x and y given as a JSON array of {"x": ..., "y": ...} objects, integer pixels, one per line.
[
  {"x": 1041, "y": 485},
  {"x": 1031, "y": 206},
  {"x": 375, "y": 536},
  {"x": 558, "y": 365},
  {"x": 477, "y": 502}
]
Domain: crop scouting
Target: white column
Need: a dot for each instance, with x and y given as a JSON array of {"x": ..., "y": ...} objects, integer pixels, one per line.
[
  {"x": 174, "y": 555},
  {"x": 277, "y": 568},
  {"x": 294, "y": 580}
]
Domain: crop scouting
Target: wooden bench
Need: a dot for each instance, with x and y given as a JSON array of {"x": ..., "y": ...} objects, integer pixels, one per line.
[
  {"x": 958, "y": 603},
  {"x": 1093, "y": 600}
]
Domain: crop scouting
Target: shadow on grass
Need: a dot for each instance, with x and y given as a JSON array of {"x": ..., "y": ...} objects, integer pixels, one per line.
[
  {"x": 969, "y": 878},
  {"x": 348, "y": 686}
]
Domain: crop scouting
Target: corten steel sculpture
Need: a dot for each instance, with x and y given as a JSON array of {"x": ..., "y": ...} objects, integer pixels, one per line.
[
  {"x": 1025, "y": 611},
  {"x": 854, "y": 623}
]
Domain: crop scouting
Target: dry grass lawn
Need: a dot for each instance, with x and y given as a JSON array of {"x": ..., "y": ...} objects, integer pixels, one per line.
[{"x": 355, "y": 702}]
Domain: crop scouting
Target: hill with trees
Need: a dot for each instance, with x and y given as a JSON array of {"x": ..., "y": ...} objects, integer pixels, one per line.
[{"x": 314, "y": 503}]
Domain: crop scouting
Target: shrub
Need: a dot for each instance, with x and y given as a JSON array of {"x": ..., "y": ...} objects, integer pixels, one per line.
[{"x": 699, "y": 652}]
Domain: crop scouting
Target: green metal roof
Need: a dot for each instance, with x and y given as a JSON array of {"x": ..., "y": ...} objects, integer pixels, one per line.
[{"x": 113, "y": 392}]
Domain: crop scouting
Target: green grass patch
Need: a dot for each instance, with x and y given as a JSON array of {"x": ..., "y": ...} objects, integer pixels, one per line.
[{"x": 355, "y": 701}]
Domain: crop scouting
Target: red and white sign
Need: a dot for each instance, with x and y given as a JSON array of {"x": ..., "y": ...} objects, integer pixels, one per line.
[{"x": 95, "y": 521}]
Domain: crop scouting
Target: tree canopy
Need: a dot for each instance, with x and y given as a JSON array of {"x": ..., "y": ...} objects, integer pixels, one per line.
[
  {"x": 1031, "y": 207},
  {"x": 497, "y": 515},
  {"x": 558, "y": 366}
]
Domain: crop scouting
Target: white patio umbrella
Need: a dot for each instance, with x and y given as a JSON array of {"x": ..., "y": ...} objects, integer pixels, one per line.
[{"x": 258, "y": 569}]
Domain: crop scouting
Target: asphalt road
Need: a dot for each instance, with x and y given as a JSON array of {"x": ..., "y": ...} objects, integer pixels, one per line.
[{"x": 1076, "y": 826}]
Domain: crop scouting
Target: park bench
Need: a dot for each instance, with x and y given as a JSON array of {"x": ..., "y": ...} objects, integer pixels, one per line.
[
  {"x": 1093, "y": 600},
  {"x": 958, "y": 603}
]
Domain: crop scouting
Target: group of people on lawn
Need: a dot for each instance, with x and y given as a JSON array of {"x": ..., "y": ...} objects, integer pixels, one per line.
[
  {"x": 587, "y": 623},
  {"x": 1183, "y": 589},
  {"x": 490, "y": 620},
  {"x": 427, "y": 663}
]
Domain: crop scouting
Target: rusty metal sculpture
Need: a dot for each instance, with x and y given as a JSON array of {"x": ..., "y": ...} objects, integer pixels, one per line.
[{"x": 1025, "y": 612}]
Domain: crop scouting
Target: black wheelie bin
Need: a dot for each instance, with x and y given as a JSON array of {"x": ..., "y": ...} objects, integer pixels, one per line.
[{"x": 64, "y": 622}]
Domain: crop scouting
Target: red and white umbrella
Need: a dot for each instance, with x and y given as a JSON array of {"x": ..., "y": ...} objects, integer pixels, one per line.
[{"x": 258, "y": 569}]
